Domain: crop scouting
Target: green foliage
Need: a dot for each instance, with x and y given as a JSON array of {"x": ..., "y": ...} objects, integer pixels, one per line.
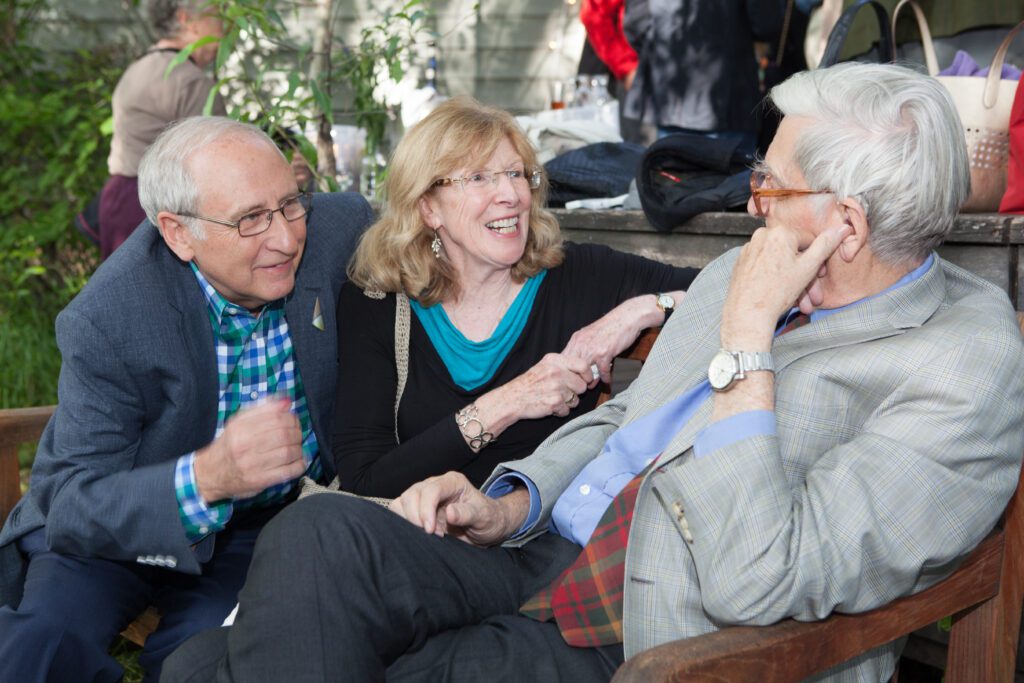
[
  {"x": 254, "y": 32},
  {"x": 55, "y": 111},
  {"x": 52, "y": 108},
  {"x": 382, "y": 55},
  {"x": 127, "y": 655}
]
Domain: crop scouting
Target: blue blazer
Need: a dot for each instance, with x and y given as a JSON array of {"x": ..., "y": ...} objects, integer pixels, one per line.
[{"x": 138, "y": 388}]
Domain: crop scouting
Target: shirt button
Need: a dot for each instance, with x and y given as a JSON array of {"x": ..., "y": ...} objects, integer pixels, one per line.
[
  {"x": 232, "y": 311},
  {"x": 204, "y": 530},
  {"x": 254, "y": 395},
  {"x": 585, "y": 490}
]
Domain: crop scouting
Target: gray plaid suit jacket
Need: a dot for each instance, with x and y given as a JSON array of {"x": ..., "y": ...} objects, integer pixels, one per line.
[{"x": 899, "y": 441}]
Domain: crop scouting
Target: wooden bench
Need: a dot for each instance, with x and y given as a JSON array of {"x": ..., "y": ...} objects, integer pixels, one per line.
[
  {"x": 25, "y": 425},
  {"x": 984, "y": 595}
]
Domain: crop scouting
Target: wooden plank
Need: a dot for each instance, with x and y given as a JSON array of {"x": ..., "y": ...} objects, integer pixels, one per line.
[
  {"x": 989, "y": 634},
  {"x": 998, "y": 265},
  {"x": 17, "y": 426},
  {"x": 986, "y": 244},
  {"x": 979, "y": 228},
  {"x": 10, "y": 481},
  {"x": 792, "y": 650},
  {"x": 994, "y": 263},
  {"x": 679, "y": 250}
]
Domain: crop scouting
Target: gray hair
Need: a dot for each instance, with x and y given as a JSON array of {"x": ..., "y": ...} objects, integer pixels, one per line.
[
  {"x": 163, "y": 15},
  {"x": 888, "y": 137},
  {"x": 165, "y": 180}
]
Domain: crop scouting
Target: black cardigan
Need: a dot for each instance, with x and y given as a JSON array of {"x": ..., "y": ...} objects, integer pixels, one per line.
[{"x": 591, "y": 281}]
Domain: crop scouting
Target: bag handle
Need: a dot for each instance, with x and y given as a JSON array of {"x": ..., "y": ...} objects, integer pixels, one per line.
[
  {"x": 927, "y": 46},
  {"x": 995, "y": 71},
  {"x": 837, "y": 38},
  {"x": 820, "y": 26},
  {"x": 785, "y": 33}
]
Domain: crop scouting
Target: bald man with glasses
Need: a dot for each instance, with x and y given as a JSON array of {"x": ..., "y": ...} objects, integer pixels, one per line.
[{"x": 197, "y": 387}]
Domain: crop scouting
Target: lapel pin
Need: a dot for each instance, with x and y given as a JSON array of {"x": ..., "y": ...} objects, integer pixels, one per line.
[{"x": 318, "y": 317}]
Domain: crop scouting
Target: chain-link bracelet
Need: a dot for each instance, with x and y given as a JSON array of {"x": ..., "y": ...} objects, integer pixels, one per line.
[{"x": 472, "y": 428}]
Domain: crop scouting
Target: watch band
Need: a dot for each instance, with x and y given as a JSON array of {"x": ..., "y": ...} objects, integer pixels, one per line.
[
  {"x": 666, "y": 303},
  {"x": 749, "y": 361},
  {"x": 728, "y": 367}
]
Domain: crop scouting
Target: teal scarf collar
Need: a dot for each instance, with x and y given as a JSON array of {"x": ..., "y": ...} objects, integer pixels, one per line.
[{"x": 472, "y": 364}]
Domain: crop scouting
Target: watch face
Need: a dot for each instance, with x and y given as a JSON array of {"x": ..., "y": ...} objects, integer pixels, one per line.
[
  {"x": 722, "y": 371},
  {"x": 666, "y": 302}
]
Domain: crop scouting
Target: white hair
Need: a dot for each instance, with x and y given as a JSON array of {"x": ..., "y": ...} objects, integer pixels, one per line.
[
  {"x": 888, "y": 137},
  {"x": 165, "y": 180}
]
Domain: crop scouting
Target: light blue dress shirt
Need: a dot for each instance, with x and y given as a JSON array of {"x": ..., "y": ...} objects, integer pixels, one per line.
[{"x": 631, "y": 448}]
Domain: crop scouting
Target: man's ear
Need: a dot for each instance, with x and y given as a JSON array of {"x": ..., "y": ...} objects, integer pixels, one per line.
[
  {"x": 176, "y": 235},
  {"x": 852, "y": 213}
]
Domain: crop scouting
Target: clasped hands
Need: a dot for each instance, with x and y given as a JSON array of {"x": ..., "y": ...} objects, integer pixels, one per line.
[
  {"x": 450, "y": 505},
  {"x": 554, "y": 384}
]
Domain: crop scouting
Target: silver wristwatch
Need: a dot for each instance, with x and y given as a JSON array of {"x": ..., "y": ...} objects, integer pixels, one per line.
[{"x": 728, "y": 366}]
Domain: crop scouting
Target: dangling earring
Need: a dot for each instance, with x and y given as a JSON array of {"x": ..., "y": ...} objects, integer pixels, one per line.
[{"x": 435, "y": 245}]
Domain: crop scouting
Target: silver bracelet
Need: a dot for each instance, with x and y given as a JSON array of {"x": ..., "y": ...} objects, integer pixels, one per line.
[{"x": 469, "y": 422}]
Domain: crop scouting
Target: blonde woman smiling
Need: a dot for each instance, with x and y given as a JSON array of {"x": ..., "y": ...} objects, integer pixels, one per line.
[{"x": 510, "y": 329}]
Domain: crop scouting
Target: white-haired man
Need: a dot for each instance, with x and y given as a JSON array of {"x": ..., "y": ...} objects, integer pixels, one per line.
[
  {"x": 766, "y": 464},
  {"x": 197, "y": 386}
]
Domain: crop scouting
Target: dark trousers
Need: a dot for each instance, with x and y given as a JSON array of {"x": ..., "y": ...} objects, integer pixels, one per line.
[
  {"x": 341, "y": 589},
  {"x": 73, "y": 608},
  {"x": 120, "y": 212}
]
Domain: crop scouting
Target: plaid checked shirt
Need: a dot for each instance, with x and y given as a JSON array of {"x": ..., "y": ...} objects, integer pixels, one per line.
[{"x": 254, "y": 361}]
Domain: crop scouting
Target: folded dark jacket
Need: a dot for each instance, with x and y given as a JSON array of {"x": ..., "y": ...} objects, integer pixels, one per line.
[{"x": 683, "y": 175}]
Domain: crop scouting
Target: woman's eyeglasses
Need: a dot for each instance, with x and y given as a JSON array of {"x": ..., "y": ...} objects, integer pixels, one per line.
[{"x": 485, "y": 180}]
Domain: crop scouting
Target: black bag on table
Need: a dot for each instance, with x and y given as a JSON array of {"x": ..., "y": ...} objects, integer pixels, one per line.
[
  {"x": 683, "y": 175},
  {"x": 602, "y": 169}
]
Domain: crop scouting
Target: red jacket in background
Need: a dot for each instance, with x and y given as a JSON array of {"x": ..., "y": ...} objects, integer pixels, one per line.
[{"x": 603, "y": 21}]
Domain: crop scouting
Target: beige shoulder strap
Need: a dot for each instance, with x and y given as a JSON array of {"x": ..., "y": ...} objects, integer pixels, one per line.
[
  {"x": 402, "y": 312},
  {"x": 927, "y": 46}
]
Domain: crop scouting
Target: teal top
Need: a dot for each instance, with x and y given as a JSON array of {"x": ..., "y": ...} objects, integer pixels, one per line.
[{"x": 472, "y": 364}]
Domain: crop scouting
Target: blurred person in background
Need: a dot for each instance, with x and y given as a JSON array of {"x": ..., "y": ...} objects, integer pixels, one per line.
[
  {"x": 148, "y": 98},
  {"x": 697, "y": 70},
  {"x": 607, "y": 41}
]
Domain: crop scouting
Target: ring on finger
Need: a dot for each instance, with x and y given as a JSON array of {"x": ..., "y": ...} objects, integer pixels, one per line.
[
  {"x": 572, "y": 397},
  {"x": 595, "y": 371}
]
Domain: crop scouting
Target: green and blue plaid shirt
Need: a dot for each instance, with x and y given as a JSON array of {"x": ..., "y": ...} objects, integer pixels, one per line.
[{"x": 255, "y": 361}]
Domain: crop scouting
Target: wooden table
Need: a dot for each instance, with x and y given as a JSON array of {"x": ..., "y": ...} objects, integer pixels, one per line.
[{"x": 987, "y": 244}]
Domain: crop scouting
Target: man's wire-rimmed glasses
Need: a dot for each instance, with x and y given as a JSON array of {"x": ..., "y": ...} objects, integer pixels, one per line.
[
  {"x": 258, "y": 222},
  {"x": 485, "y": 180},
  {"x": 759, "y": 176}
]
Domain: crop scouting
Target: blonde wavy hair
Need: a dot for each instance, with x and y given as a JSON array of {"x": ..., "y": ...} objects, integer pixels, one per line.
[{"x": 394, "y": 253}]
